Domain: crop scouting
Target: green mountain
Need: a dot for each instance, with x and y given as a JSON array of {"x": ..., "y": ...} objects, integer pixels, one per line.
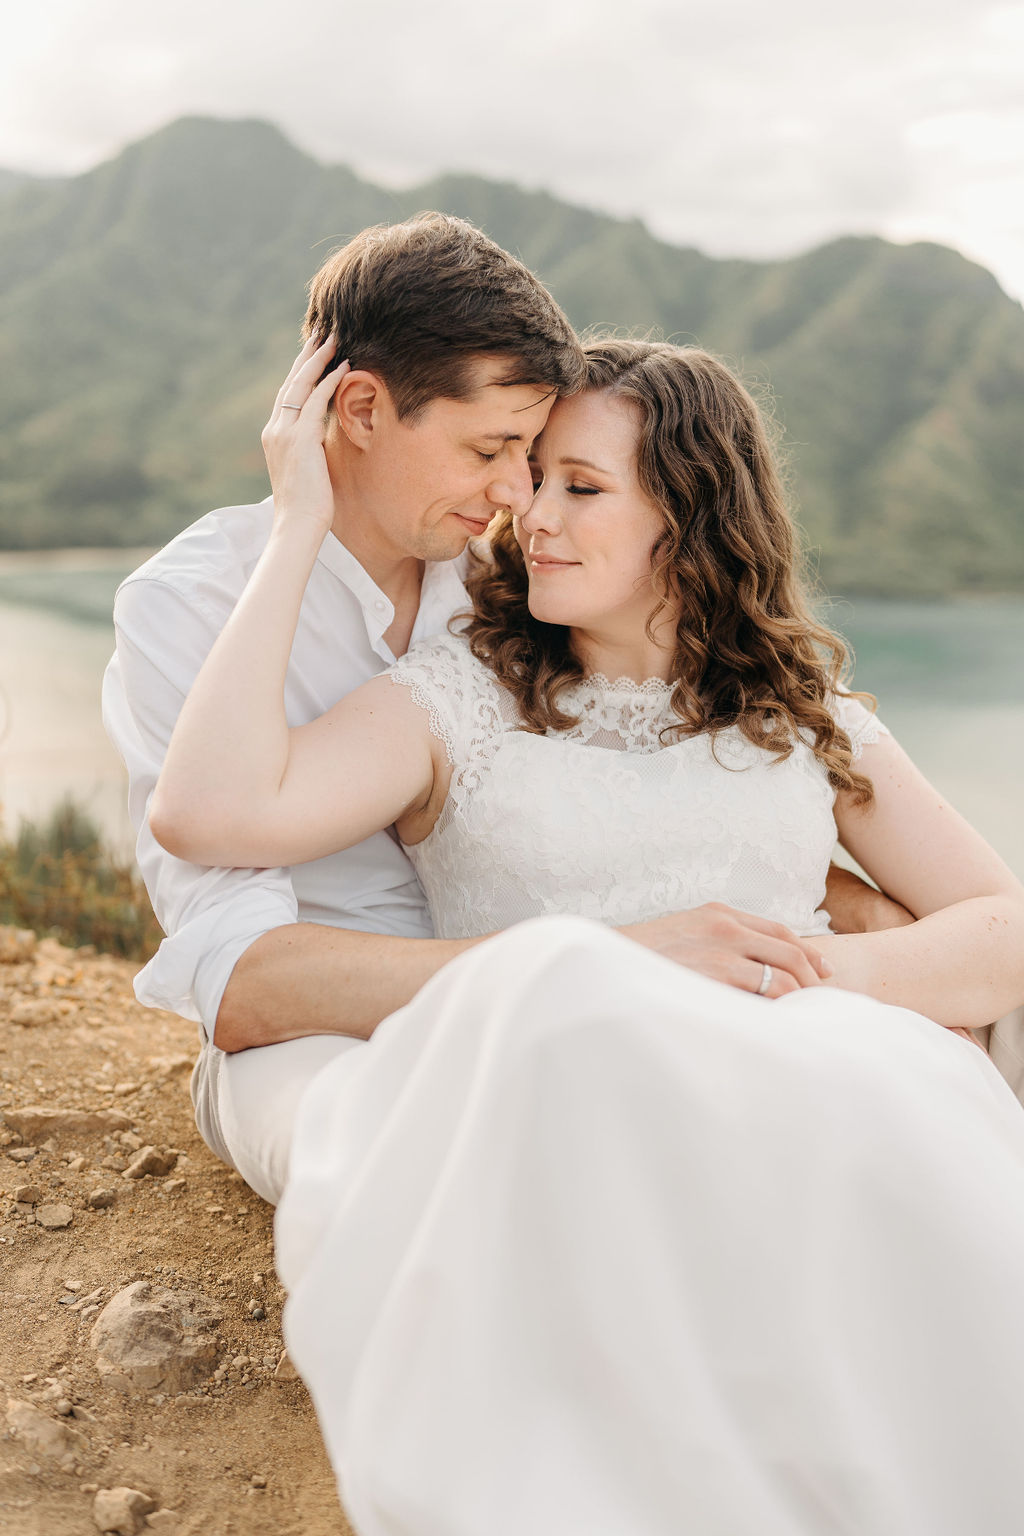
[{"x": 149, "y": 308}]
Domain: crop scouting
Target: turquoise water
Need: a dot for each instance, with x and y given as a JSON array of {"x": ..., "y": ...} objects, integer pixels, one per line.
[{"x": 948, "y": 676}]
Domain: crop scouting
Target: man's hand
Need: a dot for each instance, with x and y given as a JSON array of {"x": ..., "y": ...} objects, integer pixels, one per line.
[
  {"x": 734, "y": 947},
  {"x": 856, "y": 907}
]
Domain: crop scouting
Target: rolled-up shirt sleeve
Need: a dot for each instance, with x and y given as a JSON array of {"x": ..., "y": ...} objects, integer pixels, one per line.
[{"x": 209, "y": 916}]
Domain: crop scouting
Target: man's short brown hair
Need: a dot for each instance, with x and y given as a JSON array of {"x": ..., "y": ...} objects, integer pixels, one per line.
[{"x": 417, "y": 302}]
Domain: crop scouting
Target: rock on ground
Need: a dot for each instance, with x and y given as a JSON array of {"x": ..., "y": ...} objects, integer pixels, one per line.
[
  {"x": 156, "y": 1339},
  {"x": 151, "y": 1160},
  {"x": 47, "y": 1438},
  {"x": 36, "y": 1123},
  {"x": 121, "y": 1510},
  {"x": 54, "y": 1217}
]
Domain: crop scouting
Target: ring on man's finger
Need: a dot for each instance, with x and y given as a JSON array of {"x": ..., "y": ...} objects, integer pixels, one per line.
[
  {"x": 287, "y": 406},
  {"x": 766, "y": 978}
]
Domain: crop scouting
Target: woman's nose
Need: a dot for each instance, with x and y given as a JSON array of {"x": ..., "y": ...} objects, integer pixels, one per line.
[{"x": 542, "y": 515}]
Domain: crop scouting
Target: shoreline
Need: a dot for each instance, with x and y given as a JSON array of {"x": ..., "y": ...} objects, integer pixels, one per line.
[
  {"x": 96, "y": 557},
  {"x": 75, "y": 558}
]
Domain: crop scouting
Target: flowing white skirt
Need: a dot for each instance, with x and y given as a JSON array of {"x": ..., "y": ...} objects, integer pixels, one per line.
[{"x": 583, "y": 1242}]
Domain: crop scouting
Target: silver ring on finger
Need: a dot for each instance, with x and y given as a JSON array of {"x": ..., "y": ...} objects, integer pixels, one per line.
[
  {"x": 286, "y": 406},
  {"x": 766, "y": 978}
]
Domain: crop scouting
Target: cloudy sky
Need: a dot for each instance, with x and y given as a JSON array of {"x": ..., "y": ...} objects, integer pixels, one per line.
[{"x": 740, "y": 127}]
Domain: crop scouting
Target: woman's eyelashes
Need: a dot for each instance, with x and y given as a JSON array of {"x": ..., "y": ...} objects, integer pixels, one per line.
[{"x": 574, "y": 487}]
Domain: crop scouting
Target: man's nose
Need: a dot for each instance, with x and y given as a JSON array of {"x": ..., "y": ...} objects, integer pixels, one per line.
[{"x": 512, "y": 489}]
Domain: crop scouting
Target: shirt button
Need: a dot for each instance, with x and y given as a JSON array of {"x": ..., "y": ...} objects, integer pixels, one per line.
[{"x": 380, "y": 607}]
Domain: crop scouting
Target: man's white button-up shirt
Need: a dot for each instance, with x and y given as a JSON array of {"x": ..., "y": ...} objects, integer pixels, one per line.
[{"x": 167, "y": 615}]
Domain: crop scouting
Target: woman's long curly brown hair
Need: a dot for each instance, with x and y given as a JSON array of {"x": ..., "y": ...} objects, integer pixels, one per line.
[{"x": 749, "y": 651}]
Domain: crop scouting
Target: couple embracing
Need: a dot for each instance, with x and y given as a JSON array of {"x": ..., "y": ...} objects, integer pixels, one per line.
[{"x": 501, "y": 761}]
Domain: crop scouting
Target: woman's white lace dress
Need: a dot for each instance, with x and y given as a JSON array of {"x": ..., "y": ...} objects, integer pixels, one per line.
[{"x": 585, "y": 1242}]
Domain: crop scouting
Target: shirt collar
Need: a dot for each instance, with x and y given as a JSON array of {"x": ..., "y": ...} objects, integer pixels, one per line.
[
  {"x": 442, "y": 594},
  {"x": 377, "y": 608}
]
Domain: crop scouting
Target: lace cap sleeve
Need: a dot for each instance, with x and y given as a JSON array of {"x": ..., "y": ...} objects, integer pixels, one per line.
[
  {"x": 446, "y": 680},
  {"x": 862, "y": 727}
]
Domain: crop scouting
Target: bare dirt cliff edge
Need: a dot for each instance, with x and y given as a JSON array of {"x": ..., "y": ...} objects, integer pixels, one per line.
[{"x": 142, "y": 1386}]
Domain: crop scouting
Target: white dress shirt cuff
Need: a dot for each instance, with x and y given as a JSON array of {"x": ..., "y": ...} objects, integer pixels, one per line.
[{"x": 190, "y": 970}]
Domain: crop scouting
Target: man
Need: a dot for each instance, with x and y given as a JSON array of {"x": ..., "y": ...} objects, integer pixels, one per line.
[{"x": 464, "y": 352}]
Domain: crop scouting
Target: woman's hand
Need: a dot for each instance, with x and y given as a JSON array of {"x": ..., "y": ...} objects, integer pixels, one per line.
[
  {"x": 744, "y": 951},
  {"x": 293, "y": 439}
]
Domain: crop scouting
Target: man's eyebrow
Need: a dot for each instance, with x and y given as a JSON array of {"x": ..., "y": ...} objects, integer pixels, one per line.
[{"x": 501, "y": 437}]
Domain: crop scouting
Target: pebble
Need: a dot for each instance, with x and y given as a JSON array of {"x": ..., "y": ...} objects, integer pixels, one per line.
[
  {"x": 100, "y": 1199},
  {"x": 54, "y": 1218},
  {"x": 173, "y": 1186},
  {"x": 29, "y": 1013},
  {"x": 258, "y": 1314},
  {"x": 17, "y": 945},
  {"x": 28, "y": 1194},
  {"x": 151, "y": 1160},
  {"x": 285, "y": 1369},
  {"x": 121, "y": 1510},
  {"x": 166, "y": 1066},
  {"x": 41, "y": 1435},
  {"x": 258, "y": 1480},
  {"x": 21, "y": 1154},
  {"x": 76, "y": 1164}
]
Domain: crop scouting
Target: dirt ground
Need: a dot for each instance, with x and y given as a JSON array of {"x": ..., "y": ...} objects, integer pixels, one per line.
[{"x": 239, "y": 1453}]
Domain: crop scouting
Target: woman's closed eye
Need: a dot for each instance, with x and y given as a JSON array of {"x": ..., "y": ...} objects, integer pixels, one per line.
[{"x": 583, "y": 490}]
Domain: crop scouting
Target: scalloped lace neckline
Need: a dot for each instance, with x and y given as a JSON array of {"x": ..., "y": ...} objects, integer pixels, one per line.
[{"x": 601, "y": 685}]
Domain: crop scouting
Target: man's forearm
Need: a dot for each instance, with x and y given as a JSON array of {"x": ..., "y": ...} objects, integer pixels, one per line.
[
  {"x": 856, "y": 907},
  {"x": 312, "y": 979}
]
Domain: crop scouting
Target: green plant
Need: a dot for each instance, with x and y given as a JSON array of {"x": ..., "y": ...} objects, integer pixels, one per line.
[{"x": 58, "y": 878}]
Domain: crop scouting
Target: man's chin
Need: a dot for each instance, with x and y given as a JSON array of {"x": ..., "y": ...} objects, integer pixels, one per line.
[{"x": 442, "y": 544}]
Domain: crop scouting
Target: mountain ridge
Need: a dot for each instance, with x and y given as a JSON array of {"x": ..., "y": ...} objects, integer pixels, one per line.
[{"x": 174, "y": 274}]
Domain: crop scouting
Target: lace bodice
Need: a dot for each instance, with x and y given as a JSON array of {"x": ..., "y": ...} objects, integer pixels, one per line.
[{"x": 604, "y": 820}]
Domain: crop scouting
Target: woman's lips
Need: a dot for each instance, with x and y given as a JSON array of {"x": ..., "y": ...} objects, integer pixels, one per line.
[{"x": 549, "y": 563}]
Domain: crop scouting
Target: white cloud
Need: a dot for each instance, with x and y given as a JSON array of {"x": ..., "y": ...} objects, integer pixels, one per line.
[{"x": 739, "y": 127}]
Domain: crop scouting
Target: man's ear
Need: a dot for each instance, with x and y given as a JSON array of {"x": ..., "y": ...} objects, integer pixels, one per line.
[{"x": 359, "y": 401}]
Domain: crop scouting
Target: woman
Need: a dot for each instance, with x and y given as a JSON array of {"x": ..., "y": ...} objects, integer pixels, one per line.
[{"x": 584, "y": 1241}]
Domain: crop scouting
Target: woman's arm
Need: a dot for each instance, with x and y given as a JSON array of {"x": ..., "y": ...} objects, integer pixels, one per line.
[
  {"x": 237, "y": 786},
  {"x": 962, "y": 961}
]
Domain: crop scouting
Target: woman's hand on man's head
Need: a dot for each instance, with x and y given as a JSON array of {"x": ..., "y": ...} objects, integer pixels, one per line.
[{"x": 293, "y": 438}]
